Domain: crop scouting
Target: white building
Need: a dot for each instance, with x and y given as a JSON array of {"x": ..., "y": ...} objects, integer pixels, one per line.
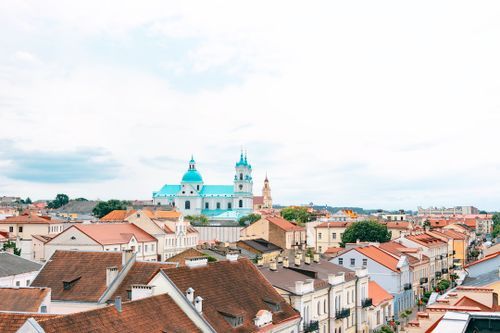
[{"x": 16, "y": 271}]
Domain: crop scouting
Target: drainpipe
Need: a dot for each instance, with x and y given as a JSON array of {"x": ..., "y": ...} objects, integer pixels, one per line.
[
  {"x": 329, "y": 308},
  {"x": 356, "y": 302}
]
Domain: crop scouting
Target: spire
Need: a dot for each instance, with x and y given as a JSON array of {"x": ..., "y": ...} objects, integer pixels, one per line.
[
  {"x": 246, "y": 162},
  {"x": 192, "y": 163},
  {"x": 266, "y": 180}
]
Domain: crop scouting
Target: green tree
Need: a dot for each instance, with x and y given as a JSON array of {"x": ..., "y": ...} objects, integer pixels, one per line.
[
  {"x": 496, "y": 231},
  {"x": 28, "y": 201},
  {"x": 60, "y": 200},
  {"x": 11, "y": 245},
  {"x": 105, "y": 207},
  {"x": 297, "y": 214},
  {"x": 197, "y": 219},
  {"x": 496, "y": 219},
  {"x": 249, "y": 219},
  {"x": 366, "y": 231}
]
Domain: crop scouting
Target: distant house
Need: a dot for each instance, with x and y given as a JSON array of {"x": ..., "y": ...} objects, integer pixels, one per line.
[
  {"x": 278, "y": 231},
  {"x": 25, "y": 299},
  {"x": 105, "y": 237},
  {"x": 16, "y": 271},
  {"x": 381, "y": 308},
  {"x": 260, "y": 248},
  {"x": 329, "y": 234}
]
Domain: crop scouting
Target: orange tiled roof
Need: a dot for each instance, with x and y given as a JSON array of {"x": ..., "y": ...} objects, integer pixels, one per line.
[
  {"x": 10, "y": 322},
  {"x": 426, "y": 240},
  {"x": 334, "y": 225},
  {"x": 334, "y": 250},
  {"x": 151, "y": 314},
  {"x": 466, "y": 301},
  {"x": 399, "y": 249},
  {"x": 30, "y": 219},
  {"x": 117, "y": 215},
  {"x": 247, "y": 293},
  {"x": 284, "y": 224},
  {"x": 258, "y": 200},
  {"x": 377, "y": 293},
  {"x": 379, "y": 256},
  {"x": 398, "y": 225},
  {"x": 114, "y": 233},
  {"x": 180, "y": 258},
  {"x": 488, "y": 257},
  {"x": 22, "y": 299}
]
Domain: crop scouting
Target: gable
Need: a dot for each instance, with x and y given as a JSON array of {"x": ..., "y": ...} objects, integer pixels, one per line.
[{"x": 72, "y": 236}]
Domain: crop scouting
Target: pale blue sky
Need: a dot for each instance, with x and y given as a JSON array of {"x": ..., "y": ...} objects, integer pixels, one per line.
[{"x": 377, "y": 104}]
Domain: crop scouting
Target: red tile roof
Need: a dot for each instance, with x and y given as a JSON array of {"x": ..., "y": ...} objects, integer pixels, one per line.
[
  {"x": 152, "y": 314},
  {"x": 30, "y": 219},
  {"x": 379, "y": 256},
  {"x": 114, "y": 233},
  {"x": 399, "y": 250},
  {"x": 334, "y": 250},
  {"x": 426, "y": 240},
  {"x": 180, "y": 258},
  {"x": 22, "y": 299},
  {"x": 284, "y": 224},
  {"x": 234, "y": 287},
  {"x": 466, "y": 301},
  {"x": 87, "y": 270},
  {"x": 10, "y": 322},
  {"x": 117, "y": 215},
  {"x": 334, "y": 225},
  {"x": 398, "y": 225},
  {"x": 486, "y": 258},
  {"x": 258, "y": 200},
  {"x": 377, "y": 293}
]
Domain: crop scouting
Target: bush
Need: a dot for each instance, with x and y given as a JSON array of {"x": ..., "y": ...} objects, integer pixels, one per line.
[{"x": 366, "y": 231}]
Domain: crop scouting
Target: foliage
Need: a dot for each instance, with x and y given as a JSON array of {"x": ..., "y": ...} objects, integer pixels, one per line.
[
  {"x": 496, "y": 219},
  {"x": 80, "y": 199},
  {"x": 496, "y": 231},
  {"x": 384, "y": 329},
  {"x": 105, "y": 207},
  {"x": 453, "y": 276},
  {"x": 60, "y": 200},
  {"x": 366, "y": 231},
  {"x": 210, "y": 258},
  {"x": 297, "y": 214},
  {"x": 26, "y": 201},
  {"x": 11, "y": 245},
  {"x": 427, "y": 223},
  {"x": 408, "y": 312},
  {"x": 197, "y": 219},
  {"x": 443, "y": 284},
  {"x": 249, "y": 219}
]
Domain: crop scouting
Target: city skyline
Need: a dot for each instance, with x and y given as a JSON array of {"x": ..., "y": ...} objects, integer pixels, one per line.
[{"x": 385, "y": 105}]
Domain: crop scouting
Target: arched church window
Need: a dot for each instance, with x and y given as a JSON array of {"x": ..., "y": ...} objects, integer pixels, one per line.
[
  {"x": 241, "y": 176},
  {"x": 241, "y": 187},
  {"x": 197, "y": 187},
  {"x": 206, "y": 205},
  {"x": 187, "y": 204},
  {"x": 240, "y": 204},
  {"x": 229, "y": 205},
  {"x": 218, "y": 205}
]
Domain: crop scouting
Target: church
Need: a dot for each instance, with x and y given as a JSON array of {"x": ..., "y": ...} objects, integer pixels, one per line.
[{"x": 217, "y": 202}]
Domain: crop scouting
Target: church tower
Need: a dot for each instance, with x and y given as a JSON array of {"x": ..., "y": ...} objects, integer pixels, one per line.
[
  {"x": 266, "y": 194},
  {"x": 243, "y": 185}
]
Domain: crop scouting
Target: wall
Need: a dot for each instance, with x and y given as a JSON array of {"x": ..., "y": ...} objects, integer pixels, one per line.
[
  {"x": 220, "y": 233},
  {"x": 64, "y": 242},
  {"x": 24, "y": 279}
]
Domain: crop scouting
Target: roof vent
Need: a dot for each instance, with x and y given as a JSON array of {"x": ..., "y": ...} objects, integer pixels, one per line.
[
  {"x": 190, "y": 294},
  {"x": 196, "y": 261},
  {"x": 198, "y": 304},
  {"x": 68, "y": 284},
  {"x": 232, "y": 256}
]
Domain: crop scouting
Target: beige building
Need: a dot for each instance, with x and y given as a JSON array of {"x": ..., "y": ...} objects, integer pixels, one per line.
[
  {"x": 381, "y": 308},
  {"x": 276, "y": 230},
  {"x": 329, "y": 234}
]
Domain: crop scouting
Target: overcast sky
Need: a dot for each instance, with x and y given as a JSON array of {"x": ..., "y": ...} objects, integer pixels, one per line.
[{"x": 378, "y": 104}]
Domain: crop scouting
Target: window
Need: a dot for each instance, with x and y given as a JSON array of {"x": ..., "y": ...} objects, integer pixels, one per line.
[
  {"x": 241, "y": 176},
  {"x": 139, "y": 248},
  {"x": 218, "y": 205},
  {"x": 43, "y": 309},
  {"x": 341, "y": 261},
  {"x": 229, "y": 205},
  {"x": 145, "y": 248},
  {"x": 18, "y": 283},
  {"x": 318, "y": 308},
  {"x": 378, "y": 317},
  {"x": 319, "y": 235},
  {"x": 320, "y": 248},
  {"x": 28, "y": 283},
  {"x": 206, "y": 205},
  {"x": 324, "y": 306},
  {"x": 365, "y": 262},
  {"x": 153, "y": 247},
  {"x": 240, "y": 187},
  {"x": 187, "y": 204},
  {"x": 353, "y": 261},
  {"x": 348, "y": 297},
  {"x": 334, "y": 235},
  {"x": 20, "y": 229},
  {"x": 240, "y": 203},
  {"x": 197, "y": 187},
  {"x": 11, "y": 229}
]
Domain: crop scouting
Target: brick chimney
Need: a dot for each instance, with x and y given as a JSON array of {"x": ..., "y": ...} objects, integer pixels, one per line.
[{"x": 111, "y": 274}]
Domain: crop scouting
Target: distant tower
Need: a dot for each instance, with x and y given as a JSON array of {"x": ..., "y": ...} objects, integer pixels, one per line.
[
  {"x": 243, "y": 183},
  {"x": 266, "y": 193}
]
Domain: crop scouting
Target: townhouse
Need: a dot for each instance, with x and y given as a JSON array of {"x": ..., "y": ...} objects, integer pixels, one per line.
[
  {"x": 277, "y": 230},
  {"x": 329, "y": 234},
  {"x": 381, "y": 310},
  {"x": 330, "y": 298},
  {"x": 398, "y": 228},
  {"x": 490, "y": 263},
  {"x": 390, "y": 272},
  {"x": 457, "y": 249},
  {"x": 105, "y": 237},
  {"x": 435, "y": 249}
]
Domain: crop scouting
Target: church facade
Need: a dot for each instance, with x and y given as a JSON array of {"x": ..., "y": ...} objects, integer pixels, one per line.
[{"x": 217, "y": 202}]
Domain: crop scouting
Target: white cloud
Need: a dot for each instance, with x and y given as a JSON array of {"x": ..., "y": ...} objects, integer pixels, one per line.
[{"x": 383, "y": 104}]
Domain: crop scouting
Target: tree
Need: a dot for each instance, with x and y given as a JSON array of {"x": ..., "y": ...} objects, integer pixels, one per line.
[
  {"x": 197, "y": 219},
  {"x": 297, "y": 214},
  {"x": 60, "y": 200},
  {"x": 11, "y": 245},
  {"x": 366, "y": 231},
  {"x": 105, "y": 207},
  {"x": 496, "y": 219},
  {"x": 28, "y": 201},
  {"x": 249, "y": 219},
  {"x": 496, "y": 231}
]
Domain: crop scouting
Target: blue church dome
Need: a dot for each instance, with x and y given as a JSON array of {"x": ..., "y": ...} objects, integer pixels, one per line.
[{"x": 192, "y": 176}]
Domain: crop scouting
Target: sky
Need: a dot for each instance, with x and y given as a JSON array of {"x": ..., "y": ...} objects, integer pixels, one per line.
[{"x": 375, "y": 104}]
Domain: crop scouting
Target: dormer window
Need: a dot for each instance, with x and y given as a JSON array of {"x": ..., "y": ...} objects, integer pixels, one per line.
[
  {"x": 274, "y": 305},
  {"x": 234, "y": 319},
  {"x": 68, "y": 284}
]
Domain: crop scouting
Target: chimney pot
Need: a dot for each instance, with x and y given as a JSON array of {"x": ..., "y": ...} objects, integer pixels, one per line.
[
  {"x": 307, "y": 260},
  {"x": 316, "y": 257},
  {"x": 285, "y": 262},
  {"x": 273, "y": 265},
  {"x": 297, "y": 260},
  {"x": 190, "y": 294},
  {"x": 198, "y": 304},
  {"x": 118, "y": 303}
]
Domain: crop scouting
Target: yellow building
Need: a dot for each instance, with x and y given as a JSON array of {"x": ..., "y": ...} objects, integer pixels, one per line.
[{"x": 329, "y": 234}]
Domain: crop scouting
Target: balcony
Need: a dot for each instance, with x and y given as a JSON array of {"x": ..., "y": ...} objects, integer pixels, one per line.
[
  {"x": 407, "y": 286},
  {"x": 424, "y": 280},
  {"x": 313, "y": 326},
  {"x": 438, "y": 274},
  {"x": 444, "y": 270},
  {"x": 454, "y": 252},
  {"x": 344, "y": 313},
  {"x": 366, "y": 302}
]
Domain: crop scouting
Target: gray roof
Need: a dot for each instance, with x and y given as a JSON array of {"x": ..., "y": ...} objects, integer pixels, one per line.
[
  {"x": 481, "y": 280},
  {"x": 261, "y": 245},
  {"x": 11, "y": 264},
  {"x": 78, "y": 207}
]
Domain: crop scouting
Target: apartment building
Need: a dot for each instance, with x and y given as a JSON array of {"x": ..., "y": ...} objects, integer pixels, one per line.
[{"x": 329, "y": 234}]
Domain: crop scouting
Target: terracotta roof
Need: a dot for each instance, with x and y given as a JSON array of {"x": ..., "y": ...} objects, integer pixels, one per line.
[
  {"x": 284, "y": 224},
  {"x": 334, "y": 250},
  {"x": 166, "y": 214},
  {"x": 379, "y": 256},
  {"x": 399, "y": 250},
  {"x": 152, "y": 314},
  {"x": 377, "y": 293},
  {"x": 398, "y": 225},
  {"x": 87, "y": 270},
  {"x": 180, "y": 258},
  {"x": 30, "y": 219},
  {"x": 114, "y": 233},
  {"x": 488, "y": 257},
  {"x": 117, "y": 215},
  {"x": 466, "y": 301},
  {"x": 10, "y": 322},
  {"x": 334, "y": 225},
  {"x": 258, "y": 200},
  {"x": 140, "y": 273},
  {"x": 43, "y": 238},
  {"x": 22, "y": 299},
  {"x": 426, "y": 240},
  {"x": 235, "y": 286}
]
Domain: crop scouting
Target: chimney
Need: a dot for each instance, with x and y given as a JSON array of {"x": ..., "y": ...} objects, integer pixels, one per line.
[
  {"x": 273, "y": 265},
  {"x": 297, "y": 260},
  {"x": 126, "y": 256},
  {"x": 316, "y": 257},
  {"x": 285, "y": 262},
  {"x": 299, "y": 286},
  {"x": 307, "y": 260},
  {"x": 198, "y": 304},
  {"x": 232, "y": 256},
  {"x": 190, "y": 294},
  {"x": 111, "y": 274},
  {"x": 196, "y": 261},
  {"x": 260, "y": 261},
  {"x": 280, "y": 259},
  {"x": 141, "y": 290},
  {"x": 118, "y": 303}
]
